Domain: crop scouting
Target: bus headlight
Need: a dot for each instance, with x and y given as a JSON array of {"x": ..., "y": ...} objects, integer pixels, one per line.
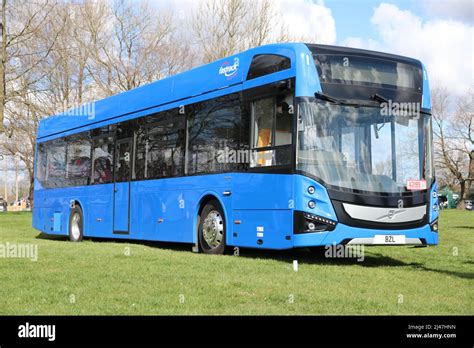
[
  {"x": 310, "y": 223},
  {"x": 312, "y": 204},
  {"x": 311, "y": 190}
]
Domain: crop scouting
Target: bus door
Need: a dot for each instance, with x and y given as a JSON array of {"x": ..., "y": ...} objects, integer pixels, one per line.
[{"x": 122, "y": 177}]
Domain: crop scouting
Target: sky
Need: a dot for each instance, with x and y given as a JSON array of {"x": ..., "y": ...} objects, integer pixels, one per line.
[{"x": 439, "y": 33}]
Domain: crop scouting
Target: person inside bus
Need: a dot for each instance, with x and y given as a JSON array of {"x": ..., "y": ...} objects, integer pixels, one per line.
[{"x": 102, "y": 166}]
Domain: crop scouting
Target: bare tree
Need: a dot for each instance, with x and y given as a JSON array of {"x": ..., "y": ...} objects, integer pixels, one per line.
[
  {"x": 462, "y": 134},
  {"x": 20, "y": 54},
  {"x": 129, "y": 45},
  {"x": 225, "y": 27},
  {"x": 454, "y": 139}
]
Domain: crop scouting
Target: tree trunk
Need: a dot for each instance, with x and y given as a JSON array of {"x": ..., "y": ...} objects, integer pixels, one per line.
[
  {"x": 3, "y": 61},
  {"x": 31, "y": 191},
  {"x": 462, "y": 186}
]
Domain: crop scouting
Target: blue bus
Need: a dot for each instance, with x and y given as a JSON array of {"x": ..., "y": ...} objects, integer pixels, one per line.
[{"x": 281, "y": 146}]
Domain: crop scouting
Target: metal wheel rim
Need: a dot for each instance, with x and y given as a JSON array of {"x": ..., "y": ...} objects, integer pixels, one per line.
[
  {"x": 75, "y": 228},
  {"x": 213, "y": 229}
]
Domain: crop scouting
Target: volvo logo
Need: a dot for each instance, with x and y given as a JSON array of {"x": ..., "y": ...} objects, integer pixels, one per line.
[{"x": 390, "y": 214}]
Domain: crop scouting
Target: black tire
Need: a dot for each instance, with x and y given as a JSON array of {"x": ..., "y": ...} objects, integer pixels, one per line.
[
  {"x": 211, "y": 229},
  {"x": 76, "y": 224}
]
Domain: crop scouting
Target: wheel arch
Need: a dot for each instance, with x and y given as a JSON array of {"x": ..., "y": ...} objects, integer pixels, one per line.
[{"x": 203, "y": 200}]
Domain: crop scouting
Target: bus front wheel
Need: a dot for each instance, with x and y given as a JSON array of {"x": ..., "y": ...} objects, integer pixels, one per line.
[
  {"x": 76, "y": 224},
  {"x": 211, "y": 230}
]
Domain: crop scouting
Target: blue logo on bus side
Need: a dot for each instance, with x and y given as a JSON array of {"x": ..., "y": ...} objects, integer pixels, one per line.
[{"x": 228, "y": 70}]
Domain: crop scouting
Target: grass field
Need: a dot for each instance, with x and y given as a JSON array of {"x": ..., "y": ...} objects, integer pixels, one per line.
[{"x": 109, "y": 277}]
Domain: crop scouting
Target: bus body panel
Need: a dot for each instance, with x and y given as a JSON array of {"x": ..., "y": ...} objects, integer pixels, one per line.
[
  {"x": 166, "y": 209},
  {"x": 100, "y": 211},
  {"x": 259, "y": 210},
  {"x": 263, "y": 210},
  {"x": 433, "y": 209},
  {"x": 263, "y": 228}
]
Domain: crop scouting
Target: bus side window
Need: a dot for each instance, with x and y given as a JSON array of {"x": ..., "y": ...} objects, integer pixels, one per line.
[
  {"x": 102, "y": 158},
  {"x": 55, "y": 175},
  {"x": 41, "y": 164},
  {"x": 263, "y": 122},
  {"x": 272, "y": 120},
  {"x": 215, "y": 130},
  {"x": 78, "y": 164},
  {"x": 283, "y": 119}
]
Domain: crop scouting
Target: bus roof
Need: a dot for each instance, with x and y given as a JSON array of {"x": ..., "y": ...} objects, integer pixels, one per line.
[{"x": 214, "y": 76}]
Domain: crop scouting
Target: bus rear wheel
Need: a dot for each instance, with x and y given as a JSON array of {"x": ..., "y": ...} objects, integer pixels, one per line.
[
  {"x": 76, "y": 224},
  {"x": 211, "y": 230}
]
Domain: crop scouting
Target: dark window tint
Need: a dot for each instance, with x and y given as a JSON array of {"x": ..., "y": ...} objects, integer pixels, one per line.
[
  {"x": 125, "y": 129},
  {"x": 41, "y": 163},
  {"x": 160, "y": 147},
  {"x": 267, "y": 64},
  {"x": 102, "y": 159},
  {"x": 283, "y": 119},
  {"x": 55, "y": 175},
  {"x": 123, "y": 160},
  {"x": 367, "y": 71},
  {"x": 78, "y": 167},
  {"x": 103, "y": 131},
  {"x": 218, "y": 141}
]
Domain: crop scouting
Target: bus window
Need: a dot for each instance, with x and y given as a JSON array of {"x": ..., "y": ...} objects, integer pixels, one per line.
[
  {"x": 56, "y": 163},
  {"x": 160, "y": 150},
  {"x": 263, "y": 122},
  {"x": 265, "y": 64},
  {"x": 123, "y": 160},
  {"x": 215, "y": 129},
  {"x": 102, "y": 156},
  {"x": 272, "y": 131},
  {"x": 283, "y": 120},
  {"x": 78, "y": 166},
  {"x": 41, "y": 163}
]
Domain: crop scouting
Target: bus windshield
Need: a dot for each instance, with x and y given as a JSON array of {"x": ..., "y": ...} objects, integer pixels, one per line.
[{"x": 360, "y": 148}]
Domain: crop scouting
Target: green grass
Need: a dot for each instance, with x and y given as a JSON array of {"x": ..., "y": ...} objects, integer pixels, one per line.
[{"x": 104, "y": 280}]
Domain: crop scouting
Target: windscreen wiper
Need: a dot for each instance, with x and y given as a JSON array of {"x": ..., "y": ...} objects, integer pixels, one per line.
[
  {"x": 333, "y": 100},
  {"x": 328, "y": 98},
  {"x": 380, "y": 98}
]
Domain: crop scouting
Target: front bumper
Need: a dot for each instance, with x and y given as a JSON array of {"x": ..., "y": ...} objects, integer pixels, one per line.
[
  {"x": 373, "y": 241},
  {"x": 344, "y": 234}
]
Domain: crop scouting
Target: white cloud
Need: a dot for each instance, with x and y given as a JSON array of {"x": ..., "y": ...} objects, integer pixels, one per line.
[
  {"x": 357, "y": 42},
  {"x": 462, "y": 10},
  {"x": 307, "y": 20},
  {"x": 444, "y": 46}
]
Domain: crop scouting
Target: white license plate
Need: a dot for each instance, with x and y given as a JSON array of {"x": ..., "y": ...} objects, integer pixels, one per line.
[{"x": 389, "y": 239}]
